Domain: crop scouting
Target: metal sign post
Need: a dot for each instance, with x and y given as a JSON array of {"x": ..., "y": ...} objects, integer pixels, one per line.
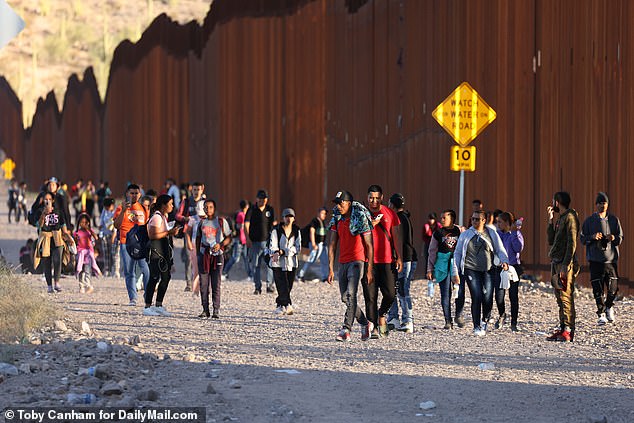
[{"x": 464, "y": 114}]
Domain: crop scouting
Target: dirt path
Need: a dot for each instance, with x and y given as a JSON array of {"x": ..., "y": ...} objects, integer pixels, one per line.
[{"x": 232, "y": 365}]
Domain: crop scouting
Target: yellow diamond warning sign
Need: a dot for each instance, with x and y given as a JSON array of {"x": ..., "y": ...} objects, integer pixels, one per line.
[{"x": 464, "y": 114}]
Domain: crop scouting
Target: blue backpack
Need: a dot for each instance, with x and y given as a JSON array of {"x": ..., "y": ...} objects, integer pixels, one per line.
[{"x": 138, "y": 242}]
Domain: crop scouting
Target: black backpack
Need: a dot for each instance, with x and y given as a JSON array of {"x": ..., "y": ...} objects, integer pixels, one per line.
[{"x": 138, "y": 242}]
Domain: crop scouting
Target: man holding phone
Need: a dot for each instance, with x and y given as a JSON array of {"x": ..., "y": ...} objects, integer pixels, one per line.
[
  {"x": 128, "y": 214},
  {"x": 602, "y": 234},
  {"x": 562, "y": 237}
]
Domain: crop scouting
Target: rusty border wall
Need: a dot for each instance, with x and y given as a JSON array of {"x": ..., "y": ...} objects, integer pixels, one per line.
[{"x": 308, "y": 97}]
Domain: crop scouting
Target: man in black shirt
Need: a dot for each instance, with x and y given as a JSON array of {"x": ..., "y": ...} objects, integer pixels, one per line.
[
  {"x": 316, "y": 237},
  {"x": 257, "y": 225},
  {"x": 405, "y": 276}
]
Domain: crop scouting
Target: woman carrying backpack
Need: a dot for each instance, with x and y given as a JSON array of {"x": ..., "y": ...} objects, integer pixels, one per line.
[
  {"x": 285, "y": 244},
  {"x": 161, "y": 259},
  {"x": 213, "y": 236}
]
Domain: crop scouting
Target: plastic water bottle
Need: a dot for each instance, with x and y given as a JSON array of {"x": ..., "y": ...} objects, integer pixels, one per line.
[
  {"x": 90, "y": 371},
  {"x": 486, "y": 366},
  {"x": 430, "y": 288},
  {"x": 77, "y": 399},
  {"x": 454, "y": 293}
]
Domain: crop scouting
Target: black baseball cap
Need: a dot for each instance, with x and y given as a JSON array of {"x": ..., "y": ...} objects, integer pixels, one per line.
[
  {"x": 342, "y": 196},
  {"x": 397, "y": 199},
  {"x": 262, "y": 194}
]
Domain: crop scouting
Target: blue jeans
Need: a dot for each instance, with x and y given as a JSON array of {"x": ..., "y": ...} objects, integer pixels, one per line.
[
  {"x": 238, "y": 251},
  {"x": 320, "y": 253},
  {"x": 128, "y": 270},
  {"x": 256, "y": 259},
  {"x": 481, "y": 289},
  {"x": 404, "y": 281},
  {"x": 445, "y": 297}
]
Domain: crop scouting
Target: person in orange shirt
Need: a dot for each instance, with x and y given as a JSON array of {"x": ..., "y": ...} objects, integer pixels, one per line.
[{"x": 128, "y": 214}]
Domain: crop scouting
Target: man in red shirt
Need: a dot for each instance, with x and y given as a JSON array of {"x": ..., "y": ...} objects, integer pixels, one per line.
[
  {"x": 354, "y": 235},
  {"x": 388, "y": 261},
  {"x": 126, "y": 216}
]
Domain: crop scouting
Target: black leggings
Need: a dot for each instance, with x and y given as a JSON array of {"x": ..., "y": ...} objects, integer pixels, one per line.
[
  {"x": 385, "y": 280},
  {"x": 160, "y": 269},
  {"x": 56, "y": 260}
]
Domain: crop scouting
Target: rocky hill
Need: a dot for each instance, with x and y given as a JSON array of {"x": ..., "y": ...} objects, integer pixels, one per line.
[{"x": 63, "y": 37}]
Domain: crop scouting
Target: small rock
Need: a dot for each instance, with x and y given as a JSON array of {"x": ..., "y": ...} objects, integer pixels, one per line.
[
  {"x": 2, "y": 378},
  {"x": 127, "y": 402},
  {"x": 85, "y": 328},
  {"x": 134, "y": 340},
  {"x": 234, "y": 384},
  {"x": 60, "y": 325},
  {"x": 25, "y": 368},
  {"x": 166, "y": 357},
  {"x": 103, "y": 347},
  {"x": 597, "y": 419},
  {"x": 111, "y": 388},
  {"x": 190, "y": 357},
  {"x": 148, "y": 395},
  {"x": 210, "y": 389},
  {"x": 123, "y": 384},
  {"x": 427, "y": 405},
  {"x": 211, "y": 375},
  {"x": 8, "y": 369}
]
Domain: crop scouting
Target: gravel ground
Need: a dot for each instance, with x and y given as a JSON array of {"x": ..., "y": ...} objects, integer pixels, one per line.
[{"x": 254, "y": 366}]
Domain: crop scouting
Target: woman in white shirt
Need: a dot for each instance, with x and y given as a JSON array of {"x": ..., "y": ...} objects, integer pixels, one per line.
[
  {"x": 285, "y": 244},
  {"x": 212, "y": 238},
  {"x": 160, "y": 261}
]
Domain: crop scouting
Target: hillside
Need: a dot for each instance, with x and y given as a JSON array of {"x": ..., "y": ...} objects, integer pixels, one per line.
[{"x": 63, "y": 37}]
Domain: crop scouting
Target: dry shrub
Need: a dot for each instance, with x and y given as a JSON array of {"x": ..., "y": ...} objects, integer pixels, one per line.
[{"x": 22, "y": 310}]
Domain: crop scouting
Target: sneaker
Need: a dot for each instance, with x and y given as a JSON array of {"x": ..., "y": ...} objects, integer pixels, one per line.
[
  {"x": 609, "y": 314},
  {"x": 384, "y": 331},
  {"x": 448, "y": 325},
  {"x": 187, "y": 289},
  {"x": 564, "y": 336},
  {"x": 343, "y": 335},
  {"x": 280, "y": 310},
  {"x": 553, "y": 336},
  {"x": 460, "y": 321},
  {"x": 215, "y": 314},
  {"x": 204, "y": 315},
  {"x": 483, "y": 325},
  {"x": 150, "y": 311},
  {"x": 162, "y": 311},
  {"x": 602, "y": 319},
  {"x": 393, "y": 323},
  {"x": 257, "y": 292},
  {"x": 57, "y": 288},
  {"x": 374, "y": 333},
  {"x": 407, "y": 327},
  {"x": 270, "y": 289},
  {"x": 50, "y": 290},
  {"x": 90, "y": 290},
  {"x": 289, "y": 310},
  {"x": 479, "y": 332},
  {"x": 514, "y": 327},
  {"x": 366, "y": 330},
  {"x": 82, "y": 290},
  {"x": 132, "y": 303},
  {"x": 500, "y": 322}
]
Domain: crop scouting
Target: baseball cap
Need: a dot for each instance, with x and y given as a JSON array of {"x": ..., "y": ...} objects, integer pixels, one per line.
[
  {"x": 342, "y": 196},
  {"x": 602, "y": 197},
  {"x": 288, "y": 212},
  {"x": 262, "y": 194},
  {"x": 53, "y": 179},
  {"x": 397, "y": 199}
]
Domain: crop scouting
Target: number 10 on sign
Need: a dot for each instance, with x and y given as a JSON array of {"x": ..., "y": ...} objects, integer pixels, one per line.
[{"x": 463, "y": 158}]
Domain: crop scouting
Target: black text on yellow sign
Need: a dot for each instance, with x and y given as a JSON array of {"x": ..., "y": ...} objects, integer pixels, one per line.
[{"x": 463, "y": 158}]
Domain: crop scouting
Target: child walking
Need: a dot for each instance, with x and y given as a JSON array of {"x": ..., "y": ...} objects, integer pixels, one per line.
[
  {"x": 212, "y": 237},
  {"x": 86, "y": 261}
]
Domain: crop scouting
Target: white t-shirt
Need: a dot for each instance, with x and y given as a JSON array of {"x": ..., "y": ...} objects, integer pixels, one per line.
[
  {"x": 211, "y": 235},
  {"x": 158, "y": 221}
]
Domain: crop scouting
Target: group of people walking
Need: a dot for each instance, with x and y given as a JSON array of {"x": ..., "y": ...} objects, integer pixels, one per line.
[{"x": 374, "y": 243}]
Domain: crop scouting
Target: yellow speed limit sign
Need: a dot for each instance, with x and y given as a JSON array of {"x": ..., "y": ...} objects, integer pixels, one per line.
[{"x": 463, "y": 158}]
